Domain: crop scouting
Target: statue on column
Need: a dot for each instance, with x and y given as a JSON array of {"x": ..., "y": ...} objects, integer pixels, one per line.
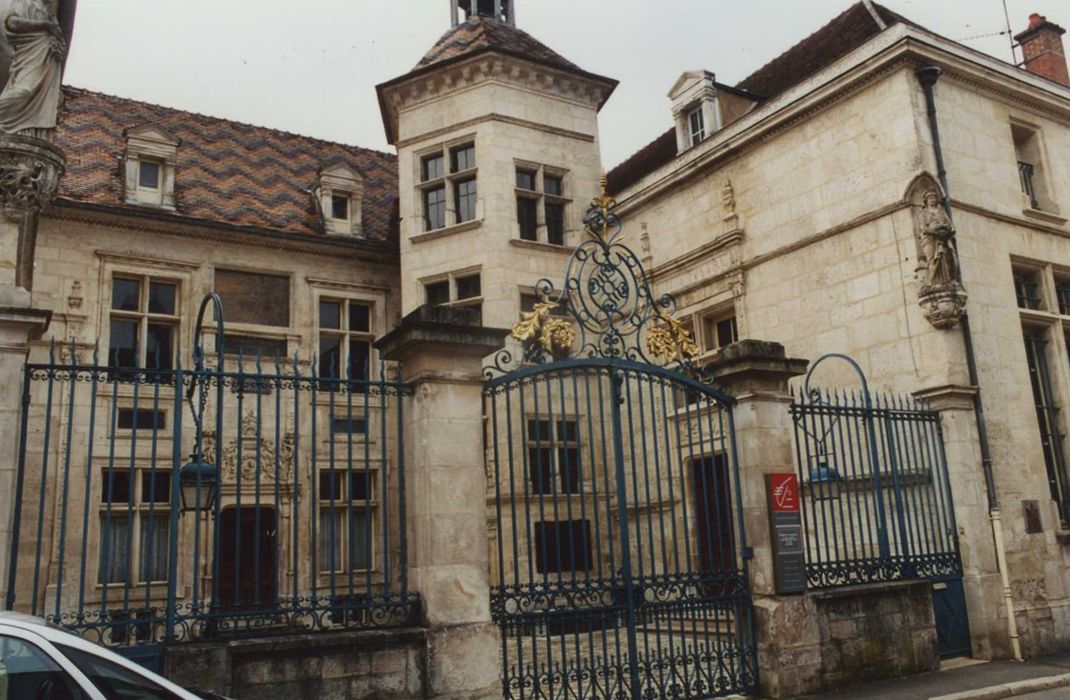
[
  {"x": 940, "y": 293},
  {"x": 29, "y": 102},
  {"x": 936, "y": 234}
]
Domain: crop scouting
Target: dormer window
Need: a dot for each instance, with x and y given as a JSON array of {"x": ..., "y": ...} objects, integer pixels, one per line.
[
  {"x": 149, "y": 162},
  {"x": 697, "y": 125},
  {"x": 339, "y": 196}
]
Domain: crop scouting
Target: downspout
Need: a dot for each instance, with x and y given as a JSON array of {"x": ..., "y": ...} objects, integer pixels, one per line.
[{"x": 928, "y": 76}]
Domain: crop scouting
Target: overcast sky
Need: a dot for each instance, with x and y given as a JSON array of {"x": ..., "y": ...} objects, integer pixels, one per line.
[{"x": 311, "y": 66}]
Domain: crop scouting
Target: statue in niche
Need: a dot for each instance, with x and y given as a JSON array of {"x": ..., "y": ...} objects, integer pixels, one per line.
[
  {"x": 935, "y": 233},
  {"x": 35, "y": 40}
]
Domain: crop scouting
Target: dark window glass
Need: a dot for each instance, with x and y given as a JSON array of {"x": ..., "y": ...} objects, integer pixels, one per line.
[
  {"x": 539, "y": 430},
  {"x": 251, "y": 346},
  {"x": 162, "y": 298},
  {"x": 1027, "y": 288},
  {"x": 250, "y": 297},
  {"x": 541, "y": 470},
  {"x": 432, "y": 167},
  {"x": 156, "y": 486},
  {"x": 359, "y": 540},
  {"x": 1062, "y": 296},
  {"x": 1047, "y": 412},
  {"x": 125, "y": 294},
  {"x": 435, "y": 208},
  {"x": 552, "y": 185},
  {"x": 331, "y": 485},
  {"x": 160, "y": 346},
  {"x": 360, "y": 352},
  {"x": 146, "y": 419},
  {"x": 340, "y": 207},
  {"x": 468, "y": 287},
  {"x": 525, "y": 179},
  {"x": 568, "y": 465},
  {"x": 463, "y": 158},
  {"x": 115, "y": 486},
  {"x": 465, "y": 200},
  {"x": 349, "y": 426},
  {"x": 122, "y": 344},
  {"x": 149, "y": 175},
  {"x": 360, "y": 486},
  {"x": 726, "y": 332},
  {"x": 330, "y": 314},
  {"x": 438, "y": 292},
  {"x": 698, "y": 126},
  {"x": 359, "y": 317},
  {"x": 526, "y": 209},
  {"x": 562, "y": 546},
  {"x": 330, "y": 358},
  {"x": 567, "y": 430},
  {"x": 112, "y": 680},
  {"x": 555, "y": 223},
  {"x": 528, "y": 301}
]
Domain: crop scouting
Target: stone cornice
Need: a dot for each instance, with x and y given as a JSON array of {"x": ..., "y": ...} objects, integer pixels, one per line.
[
  {"x": 585, "y": 89},
  {"x": 166, "y": 223},
  {"x": 897, "y": 47},
  {"x": 697, "y": 255},
  {"x": 500, "y": 118}
]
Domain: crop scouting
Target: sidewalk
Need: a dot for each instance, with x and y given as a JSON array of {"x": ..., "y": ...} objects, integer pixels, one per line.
[{"x": 966, "y": 680}]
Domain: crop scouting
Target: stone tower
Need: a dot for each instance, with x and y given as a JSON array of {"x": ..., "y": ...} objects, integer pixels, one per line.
[{"x": 498, "y": 158}]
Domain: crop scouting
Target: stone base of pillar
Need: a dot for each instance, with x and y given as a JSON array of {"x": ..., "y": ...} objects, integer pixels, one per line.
[{"x": 463, "y": 662}]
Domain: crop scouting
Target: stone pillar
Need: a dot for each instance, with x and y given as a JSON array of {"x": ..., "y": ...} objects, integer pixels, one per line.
[
  {"x": 756, "y": 374},
  {"x": 30, "y": 170},
  {"x": 981, "y": 579},
  {"x": 442, "y": 351}
]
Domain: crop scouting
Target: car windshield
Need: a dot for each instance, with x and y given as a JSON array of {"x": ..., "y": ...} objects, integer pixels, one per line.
[
  {"x": 114, "y": 681},
  {"x": 26, "y": 672}
]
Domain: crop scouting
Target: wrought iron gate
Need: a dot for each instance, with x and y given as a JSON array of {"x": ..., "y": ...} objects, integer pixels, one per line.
[
  {"x": 876, "y": 498},
  {"x": 617, "y": 535}
]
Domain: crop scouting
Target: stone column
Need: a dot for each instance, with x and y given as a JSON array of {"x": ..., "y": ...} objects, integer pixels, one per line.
[
  {"x": 30, "y": 170},
  {"x": 442, "y": 351},
  {"x": 981, "y": 578},
  {"x": 756, "y": 374}
]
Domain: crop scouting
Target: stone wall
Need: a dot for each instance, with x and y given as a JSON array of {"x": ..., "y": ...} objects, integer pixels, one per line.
[{"x": 342, "y": 666}]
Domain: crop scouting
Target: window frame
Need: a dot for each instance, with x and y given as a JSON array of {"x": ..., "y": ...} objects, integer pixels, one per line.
[
  {"x": 696, "y": 136},
  {"x": 348, "y": 508},
  {"x": 143, "y": 317},
  {"x": 698, "y": 320},
  {"x": 455, "y": 300},
  {"x": 544, "y": 200},
  {"x": 346, "y": 334},
  {"x": 1033, "y": 168},
  {"x": 561, "y": 483},
  {"x": 446, "y": 182},
  {"x": 136, "y": 512}
]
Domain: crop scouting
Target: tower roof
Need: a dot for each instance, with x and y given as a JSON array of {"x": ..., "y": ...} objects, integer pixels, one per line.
[{"x": 480, "y": 34}]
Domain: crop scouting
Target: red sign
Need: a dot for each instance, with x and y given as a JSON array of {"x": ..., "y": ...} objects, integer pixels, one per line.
[{"x": 784, "y": 492}]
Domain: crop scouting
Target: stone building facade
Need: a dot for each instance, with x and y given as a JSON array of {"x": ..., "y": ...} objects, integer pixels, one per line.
[{"x": 876, "y": 191}]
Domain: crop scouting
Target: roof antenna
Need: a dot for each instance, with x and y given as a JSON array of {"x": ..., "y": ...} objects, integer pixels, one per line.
[
  {"x": 1010, "y": 34},
  {"x": 874, "y": 14}
]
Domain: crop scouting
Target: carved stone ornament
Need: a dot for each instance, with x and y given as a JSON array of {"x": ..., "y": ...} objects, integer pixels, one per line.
[
  {"x": 940, "y": 294},
  {"x": 30, "y": 171},
  {"x": 943, "y": 306},
  {"x": 252, "y": 451}
]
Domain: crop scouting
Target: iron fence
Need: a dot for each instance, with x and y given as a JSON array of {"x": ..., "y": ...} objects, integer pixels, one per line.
[
  {"x": 876, "y": 502},
  {"x": 298, "y": 524}
]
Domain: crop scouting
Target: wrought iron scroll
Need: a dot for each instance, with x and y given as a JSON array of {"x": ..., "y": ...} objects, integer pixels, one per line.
[{"x": 612, "y": 312}]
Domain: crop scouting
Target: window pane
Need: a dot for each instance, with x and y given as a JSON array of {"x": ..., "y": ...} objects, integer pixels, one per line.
[
  {"x": 249, "y": 297},
  {"x": 438, "y": 292},
  {"x": 162, "y": 298},
  {"x": 330, "y": 486},
  {"x": 465, "y": 200},
  {"x": 528, "y": 302},
  {"x": 25, "y": 670},
  {"x": 252, "y": 347},
  {"x": 146, "y": 419},
  {"x": 360, "y": 486},
  {"x": 160, "y": 347},
  {"x": 525, "y": 179},
  {"x": 552, "y": 185},
  {"x": 156, "y": 487},
  {"x": 526, "y": 216},
  {"x": 115, "y": 486},
  {"x": 155, "y": 545},
  {"x": 433, "y": 167},
  {"x": 125, "y": 294},
  {"x": 468, "y": 287},
  {"x": 555, "y": 223},
  {"x": 568, "y": 465},
  {"x": 149, "y": 175},
  {"x": 435, "y": 208},
  {"x": 562, "y": 546},
  {"x": 113, "y": 680},
  {"x": 463, "y": 158},
  {"x": 359, "y": 359},
  {"x": 726, "y": 332},
  {"x": 359, "y": 316},
  {"x": 330, "y": 314},
  {"x": 340, "y": 207},
  {"x": 541, "y": 470},
  {"x": 114, "y": 548},
  {"x": 122, "y": 344},
  {"x": 567, "y": 430},
  {"x": 539, "y": 431},
  {"x": 359, "y": 540},
  {"x": 331, "y": 527},
  {"x": 330, "y": 358},
  {"x": 698, "y": 130}
]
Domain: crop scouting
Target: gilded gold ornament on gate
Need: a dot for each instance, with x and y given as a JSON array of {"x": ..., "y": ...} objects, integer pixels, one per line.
[
  {"x": 537, "y": 325},
  {"x": 670, "y": 341}
]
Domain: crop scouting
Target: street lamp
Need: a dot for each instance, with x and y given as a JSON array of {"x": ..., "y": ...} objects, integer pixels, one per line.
[
  {"x": 199, "y": 481},
  {"x": 824, "y": 479}
]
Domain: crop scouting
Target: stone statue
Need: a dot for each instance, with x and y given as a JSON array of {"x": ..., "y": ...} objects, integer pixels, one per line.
[
  {"x": 30, "y": 99},
  {"x": 935, "y": 234}
]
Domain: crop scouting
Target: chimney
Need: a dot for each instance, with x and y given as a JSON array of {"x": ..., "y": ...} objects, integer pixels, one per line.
[{"x": 1042, "y": 49}]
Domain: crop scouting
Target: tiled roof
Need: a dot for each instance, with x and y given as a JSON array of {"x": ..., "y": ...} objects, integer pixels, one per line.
[
  {"x": 845, "y": 33},
  {"x": 481, "y": 34},
  {"x": 226, "y": 172}
]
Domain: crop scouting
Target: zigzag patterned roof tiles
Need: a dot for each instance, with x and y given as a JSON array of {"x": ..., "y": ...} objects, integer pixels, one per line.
[{"x": 226, "y": 172}]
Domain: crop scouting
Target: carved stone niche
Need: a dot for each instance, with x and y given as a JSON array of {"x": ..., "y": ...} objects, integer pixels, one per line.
[
  {"x": 30, "y": 171},
  {"x": 940, "y": 294}
]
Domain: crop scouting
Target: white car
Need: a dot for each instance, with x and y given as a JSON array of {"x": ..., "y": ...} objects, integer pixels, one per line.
[{"x": 41, "y": 662}]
